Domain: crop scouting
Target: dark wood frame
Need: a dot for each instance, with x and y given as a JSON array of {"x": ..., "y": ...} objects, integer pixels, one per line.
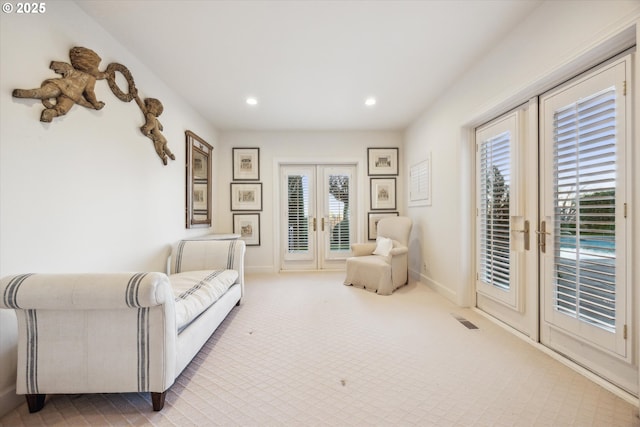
[
  {"x": 372, "y": 198},
  {"x": 372, "y": 234},
  {"x": 237, "y": 186},
  {"x": 392, "y": 170},
  {"x": 197, "y": 147},
  {"x": 236, "y": 231},
  {"x": 237, "y": 173}
]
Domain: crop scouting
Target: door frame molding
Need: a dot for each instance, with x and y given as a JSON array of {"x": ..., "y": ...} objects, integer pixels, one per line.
[{"x": 278, "y": 162}]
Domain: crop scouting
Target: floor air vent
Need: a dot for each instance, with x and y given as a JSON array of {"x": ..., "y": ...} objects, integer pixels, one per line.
[{"x": 465, "y": 322}]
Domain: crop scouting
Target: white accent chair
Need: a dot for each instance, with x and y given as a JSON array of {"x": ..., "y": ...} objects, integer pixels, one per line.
[{"x": 381, "y": 272}]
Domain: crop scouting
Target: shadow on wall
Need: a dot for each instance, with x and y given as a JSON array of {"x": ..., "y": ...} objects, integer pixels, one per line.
[{"x": 415, "y": 251}]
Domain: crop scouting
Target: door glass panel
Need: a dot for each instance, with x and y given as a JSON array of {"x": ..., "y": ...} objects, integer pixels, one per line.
[
  {"x": 298, "y": 213},
  {"x": 584, "y": 214},
  {"x": 495, "y": 242},
  {"x": 499, "y": 215},
  {"x": 339, "y": 212}
]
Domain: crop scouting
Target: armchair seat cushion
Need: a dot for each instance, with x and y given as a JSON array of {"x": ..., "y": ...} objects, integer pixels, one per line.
[{"x": 196, "y": 291}]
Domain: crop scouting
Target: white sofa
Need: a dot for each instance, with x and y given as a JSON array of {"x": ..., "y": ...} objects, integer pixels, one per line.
[{"x": 121, "y": 332}]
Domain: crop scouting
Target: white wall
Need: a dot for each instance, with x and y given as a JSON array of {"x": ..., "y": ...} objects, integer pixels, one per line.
[
  {"x": 535, "y": 55},
  {"x": 86, "y": 192},
  {"x": 312, "y": 146}
]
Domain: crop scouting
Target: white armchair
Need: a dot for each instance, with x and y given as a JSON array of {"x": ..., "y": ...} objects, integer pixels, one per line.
[{"x": 385, "y": 270}]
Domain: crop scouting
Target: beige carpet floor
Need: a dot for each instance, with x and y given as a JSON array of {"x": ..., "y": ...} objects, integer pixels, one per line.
[{"x": 304, "y": 350}]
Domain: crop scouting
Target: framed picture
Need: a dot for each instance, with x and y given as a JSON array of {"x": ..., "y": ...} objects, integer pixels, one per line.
[
  {"x": 382, "y": 161},
  {"x": 246, "y": 164},
  {"x": 198, "y": 198},
  {"x": 248, "y": 227},
  {"x": 420, "y": 183},
  {"x": 383, "y": 193},
  {"x": 246, "y": 197},
  {"x": 373, "y": 219}
]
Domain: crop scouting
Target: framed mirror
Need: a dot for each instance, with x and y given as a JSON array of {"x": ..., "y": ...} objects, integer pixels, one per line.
[{"x": 198, "y": 181}]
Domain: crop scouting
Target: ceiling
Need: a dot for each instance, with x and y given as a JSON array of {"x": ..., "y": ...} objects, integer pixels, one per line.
[{"x": 310, "y": 64}]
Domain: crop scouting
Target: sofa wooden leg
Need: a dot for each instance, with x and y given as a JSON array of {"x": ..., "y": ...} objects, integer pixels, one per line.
[
  {"x": 158, "y": 400},
  {"x": 35, "y": 402}
]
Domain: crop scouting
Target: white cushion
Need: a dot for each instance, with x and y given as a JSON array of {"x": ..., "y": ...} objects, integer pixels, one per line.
[
  {"x": 383, "y": 246},
  {"x": 195, "y": 291}
]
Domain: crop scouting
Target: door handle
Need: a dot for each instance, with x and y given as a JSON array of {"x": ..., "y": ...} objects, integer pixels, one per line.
[
  {"x": 525, "y": 231},
  {"x": 542, "y": 236},
  {"x": 314, "y": 224},
  {"x": 322, "y": 224}
]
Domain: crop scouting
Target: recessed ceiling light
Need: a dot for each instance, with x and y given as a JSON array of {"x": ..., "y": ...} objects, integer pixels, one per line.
[
  {"x": 370, "y": 101},
  {"x": 252, "y": 100}
]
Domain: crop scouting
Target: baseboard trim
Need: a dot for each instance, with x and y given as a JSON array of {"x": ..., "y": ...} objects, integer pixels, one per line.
[
  {"x": 263, "y": 269},
  {"x": 438, "y": 287}
]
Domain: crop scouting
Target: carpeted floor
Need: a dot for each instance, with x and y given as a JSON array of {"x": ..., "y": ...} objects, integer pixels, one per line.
[{"x": 305, "y": 350}]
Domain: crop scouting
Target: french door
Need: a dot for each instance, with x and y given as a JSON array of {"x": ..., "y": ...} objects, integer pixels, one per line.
[
  {"x": 585, "y": 290},
  {"x": 503, "y": 220},
  {"x": 318, "y": 218},
  {"x": 551, "y": 221}
]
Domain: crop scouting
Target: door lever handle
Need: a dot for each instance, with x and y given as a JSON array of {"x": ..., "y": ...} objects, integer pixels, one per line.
[
  {"x": 525, "y": 231},
  {"x": 542, "y": 236}
]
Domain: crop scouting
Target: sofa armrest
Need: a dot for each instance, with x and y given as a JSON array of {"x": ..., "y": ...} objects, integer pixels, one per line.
[
  {"x": 93, "y": 333},
  {"x": 91, "y": 291},
  {"x": 362, "y": 249}
]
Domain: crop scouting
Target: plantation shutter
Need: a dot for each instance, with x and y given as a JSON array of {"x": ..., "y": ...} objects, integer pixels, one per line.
[
  {"x": 494, "y": 224},
  {"x": 584, "y": 200},
  {"x": 298, "y": 215},
  {"x": 339, "y": 196}
]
